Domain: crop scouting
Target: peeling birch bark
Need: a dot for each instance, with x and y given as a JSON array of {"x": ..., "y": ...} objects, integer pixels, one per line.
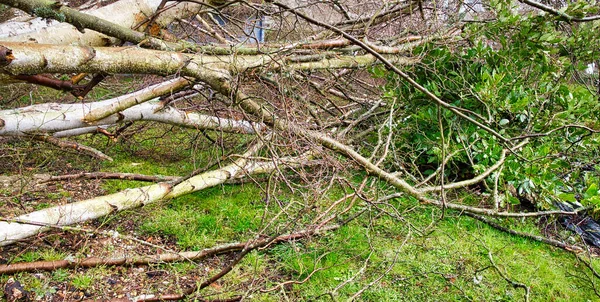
[
  {"x": 218, "y": 79},
  {"x": 82, "y": 21},
  {"x": 79, "y": 131},
  {"x": 130, "y": 198},
  {"x": 87, "y": 209}
]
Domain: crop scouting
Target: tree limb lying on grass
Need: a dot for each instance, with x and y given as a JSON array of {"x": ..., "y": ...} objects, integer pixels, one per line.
[
  {"x": 545, "y": 240},
  {"x": 111, "y": 175},
  {"x": 63, "y": 144},
  {"x": 203, "y": 68},
  {"x": 160, "y": 258},
  {"x": 130, "y": 198}
]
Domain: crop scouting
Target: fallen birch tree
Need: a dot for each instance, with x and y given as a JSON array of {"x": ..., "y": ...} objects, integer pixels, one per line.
[
  {"x": 425, "y": 112},
  {"x": 85, "y": 210},
  {"x": 211, "y": 71},
  {"x": 41, "y": 28},
  {"x": 144, "y": 105},
  {"x": 218, "y": 73}
]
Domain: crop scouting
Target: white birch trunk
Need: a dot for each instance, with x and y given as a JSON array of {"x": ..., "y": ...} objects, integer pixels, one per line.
[
  {"x": 126, "y": 13},
  {"x": 58, "y": 118},
  {"x": 93, "y": 208},
  {"x": 29, "y": 58}
]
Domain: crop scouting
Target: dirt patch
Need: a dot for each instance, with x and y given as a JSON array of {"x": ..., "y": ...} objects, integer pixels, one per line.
[
  {"x": 20, "y": 194},
  {"x": 104, "y": 282}
]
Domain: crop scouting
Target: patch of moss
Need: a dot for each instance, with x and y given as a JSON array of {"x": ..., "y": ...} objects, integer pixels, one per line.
[{"x": 49, "y": 13}]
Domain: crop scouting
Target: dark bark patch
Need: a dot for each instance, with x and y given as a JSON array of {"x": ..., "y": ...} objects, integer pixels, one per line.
[{"x": 6, "y": 56}]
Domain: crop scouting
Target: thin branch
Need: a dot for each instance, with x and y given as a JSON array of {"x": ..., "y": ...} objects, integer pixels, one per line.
[
  {"x": 64, "y": 144},
  {"x": 135, "y": 99},
  {"x": 49, "y": 82},
  {"x": 211, "y": 31},
  {"x": 545, "y": 240},
  {"x": 558, "y": 13},
  {"x": 393, "y": 68},
  {"x": 469, "y": 182},
  {"x": 390, "y": 267},
  {"x": 111, "y": 175},
  {"x": 493, "y": 212},
  {"x": 515, "y": 284},
  {"x": 81, "y": 93},
  {"x": 439, "y": 169},
  {"x": 554, "y": 130},
  {"x": 151, "y": 259},
  {"x": 382, "y": 16},
  {"x": 496, "y": 196},
  {"x": 248, "y": 247}
]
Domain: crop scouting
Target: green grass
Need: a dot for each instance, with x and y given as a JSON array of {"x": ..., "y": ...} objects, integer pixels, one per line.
[
  {"x": 442, "y": 260},
  {"x": 437, "y": 260},
  {"x": 441, "y": 266},
  {"x": 82, "y": 281},
  {"x": 204, "y": 218}
]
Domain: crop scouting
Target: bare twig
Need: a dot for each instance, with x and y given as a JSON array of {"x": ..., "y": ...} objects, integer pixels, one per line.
[
  {"x": 554, "y": 130},
  {"x": 549, "y": 241},
  {"x": 515, "y": 284},
  {"x": 64, "y": 144},
  {"x": 468, "y": 182},
  {"x": 393, "y": 68},
  {"x": 111, "y": 175},
  {"x": 159, "y": 258},
  {"x": 558, "y": 13}
]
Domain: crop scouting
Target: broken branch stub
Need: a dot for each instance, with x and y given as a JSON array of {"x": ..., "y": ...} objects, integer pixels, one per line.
[{"x": 6, "y": 55}]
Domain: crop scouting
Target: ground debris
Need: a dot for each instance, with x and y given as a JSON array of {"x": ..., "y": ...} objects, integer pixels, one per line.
[{"x": 14, "y": 291}]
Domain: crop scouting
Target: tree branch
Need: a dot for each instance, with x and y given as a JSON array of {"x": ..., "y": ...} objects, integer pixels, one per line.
[
  {"x": 110, "y": 175},
  {"x": 558, "y": 13},
  {"x": 151, "y": 259},
  {"x": 395, "y": 69},
  {"x": 73, "y": 145}
]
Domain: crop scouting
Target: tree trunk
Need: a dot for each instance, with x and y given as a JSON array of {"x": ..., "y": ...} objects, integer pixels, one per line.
[
  {"x": 126, "y": 13},
  {"x": 93, "y": 208},
  {"x": 56, "y": 118}
]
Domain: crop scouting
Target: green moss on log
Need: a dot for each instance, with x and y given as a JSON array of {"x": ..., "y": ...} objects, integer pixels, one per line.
[{"x": 48, "y": 13}]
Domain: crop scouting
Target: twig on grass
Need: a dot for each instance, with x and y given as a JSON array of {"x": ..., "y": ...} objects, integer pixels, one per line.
[
  {"x": 111, "y": 175},
  {"x": 64, "y": 144},
  {"x": 171, "y": 256},
  {"x": 553, "y": 242},
  {"x": 246, "y": 247},
  {"x": 515, "y": 284}
]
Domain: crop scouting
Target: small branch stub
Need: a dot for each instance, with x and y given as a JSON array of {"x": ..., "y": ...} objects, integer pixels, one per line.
[{"x": 6, "y": 56}]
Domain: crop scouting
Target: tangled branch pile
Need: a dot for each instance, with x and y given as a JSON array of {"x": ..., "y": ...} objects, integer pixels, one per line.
[{"x": 484, "y": 107}]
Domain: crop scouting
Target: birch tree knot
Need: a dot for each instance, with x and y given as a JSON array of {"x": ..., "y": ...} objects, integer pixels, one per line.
[{"x": 6, "y": 56}]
